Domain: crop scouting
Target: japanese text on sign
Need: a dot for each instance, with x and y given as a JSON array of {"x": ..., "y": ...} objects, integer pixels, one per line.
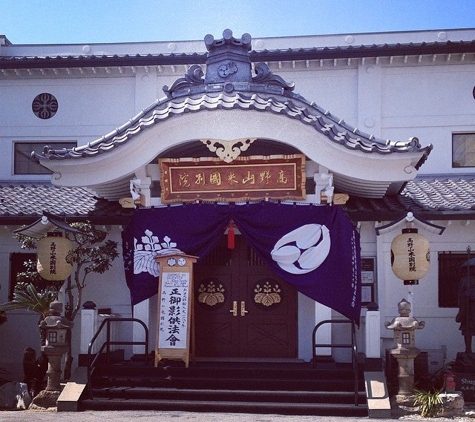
[
  {"x": 281, "y": 177},
  {"x": 173, "y": 319}
]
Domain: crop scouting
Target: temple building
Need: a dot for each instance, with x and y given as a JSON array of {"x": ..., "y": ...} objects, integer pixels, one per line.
[{"x": 286, "y": 166}]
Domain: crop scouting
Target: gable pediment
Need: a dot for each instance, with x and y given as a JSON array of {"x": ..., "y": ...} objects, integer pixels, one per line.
[{"x": 228, "y": 103}]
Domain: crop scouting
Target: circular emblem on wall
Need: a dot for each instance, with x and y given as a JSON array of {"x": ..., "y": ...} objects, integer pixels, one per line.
[{"x": 44, "y": 105}]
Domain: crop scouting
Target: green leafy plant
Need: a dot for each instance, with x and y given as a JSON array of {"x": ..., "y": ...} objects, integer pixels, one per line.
[
  {"x": 429, "y": 402},
  {"x": 92, "y": 254},
  {"x": 26, "y": 296}
]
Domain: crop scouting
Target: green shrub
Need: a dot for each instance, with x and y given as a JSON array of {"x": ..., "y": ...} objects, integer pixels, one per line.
[{"x": 429, "y": 402}]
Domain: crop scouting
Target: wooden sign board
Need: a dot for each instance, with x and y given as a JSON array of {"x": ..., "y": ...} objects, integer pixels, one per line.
[
  {"x": 243, "y": 179},
  {"x": 174, "y": 313}
]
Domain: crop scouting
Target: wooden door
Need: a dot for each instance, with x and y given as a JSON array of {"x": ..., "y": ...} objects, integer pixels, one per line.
[{"x": 242, "y": 309}]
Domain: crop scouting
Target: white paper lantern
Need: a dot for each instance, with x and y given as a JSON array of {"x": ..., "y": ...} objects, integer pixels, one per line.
[
  {"x": 54, "y": 257},
  {"x": 410, "y": 256}
]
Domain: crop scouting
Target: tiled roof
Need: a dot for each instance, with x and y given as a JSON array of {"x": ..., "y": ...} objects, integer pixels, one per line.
[
  {"x": 428, "y": 198},
  {"x": 23, "y": 203},
  {"x": 251, "y": 96},
  {"x": 266, "y": 92},
  {"x": 210, "y": 89},
  {"x": 315, "y": 53}
]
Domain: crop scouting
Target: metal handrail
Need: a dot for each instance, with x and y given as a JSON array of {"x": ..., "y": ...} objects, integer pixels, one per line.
[
  {"x": 91, "y": 362},
  {"x": 352, "y": 346}
]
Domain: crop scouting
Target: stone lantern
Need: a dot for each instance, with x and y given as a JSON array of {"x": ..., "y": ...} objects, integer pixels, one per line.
[
  {"x": 56, "y": 328},
  {"x": 405, "y": 352}
]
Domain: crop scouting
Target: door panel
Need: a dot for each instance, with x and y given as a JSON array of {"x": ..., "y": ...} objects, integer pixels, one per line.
[{"x": 264, "y": 324}]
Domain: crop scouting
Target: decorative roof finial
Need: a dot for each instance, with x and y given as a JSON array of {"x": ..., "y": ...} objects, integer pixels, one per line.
[
  {"x": 228, "y": 58},
  {"x": 228, "y": 69}
]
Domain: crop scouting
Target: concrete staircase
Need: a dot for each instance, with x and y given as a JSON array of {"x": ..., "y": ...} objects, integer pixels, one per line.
[{"x": 260, "y": 387}]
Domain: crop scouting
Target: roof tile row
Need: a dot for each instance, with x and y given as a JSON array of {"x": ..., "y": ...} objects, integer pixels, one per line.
[
  {"x": 25, "y": 202},
  {"x": 313, "y": 53},
  {"x": 428, "y": 198},
  {"x": 295, "y": 107}
]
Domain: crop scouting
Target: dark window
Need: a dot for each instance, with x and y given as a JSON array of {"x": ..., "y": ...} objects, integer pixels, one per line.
[
  {"x": 450, "y": 272},
  {"x": 24, "y": 163},
  {"x": 463, "y": 150}
]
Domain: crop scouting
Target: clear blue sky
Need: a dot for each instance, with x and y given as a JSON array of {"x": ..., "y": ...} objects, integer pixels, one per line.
[{"x": 91, "y": 21}]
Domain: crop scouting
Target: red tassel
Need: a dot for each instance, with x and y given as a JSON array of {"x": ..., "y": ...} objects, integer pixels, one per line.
[{"x": 231, "y": 243}]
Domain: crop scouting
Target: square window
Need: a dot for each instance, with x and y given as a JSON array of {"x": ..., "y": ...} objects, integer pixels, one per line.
[
  {"x": 53, "y": 337},
  {"x": 463, "y": 150},
  {"x": 24, "y": 163},
  {"x": 450, "y": 273}
]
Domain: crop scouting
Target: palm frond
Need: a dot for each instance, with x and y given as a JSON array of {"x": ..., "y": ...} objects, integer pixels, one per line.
[{"x": 31, "y": 299}]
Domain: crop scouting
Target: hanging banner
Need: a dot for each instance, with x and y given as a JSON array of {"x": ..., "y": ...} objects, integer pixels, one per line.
[
  {"x": 243, "y": 179},
  {"x": 314, "y": 248}
]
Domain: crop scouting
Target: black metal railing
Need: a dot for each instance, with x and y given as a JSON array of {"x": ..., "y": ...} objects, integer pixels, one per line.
[
  {"x": 101, "y": 354},
  {"x": 351, "y": 345}
]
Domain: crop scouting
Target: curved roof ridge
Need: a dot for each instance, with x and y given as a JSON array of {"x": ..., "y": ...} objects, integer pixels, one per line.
[
  {"x": 250, "y": 97},
  {"x": 228, "y": 84}
]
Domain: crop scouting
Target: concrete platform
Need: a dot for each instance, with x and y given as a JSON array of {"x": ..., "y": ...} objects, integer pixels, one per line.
[
  {"x": 377, "y": 395},
  {"x": 68, "y": 401}
]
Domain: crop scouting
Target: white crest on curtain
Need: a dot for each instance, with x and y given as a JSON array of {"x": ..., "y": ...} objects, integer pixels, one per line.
[
  {"x": 302, "y": 250},
  {"x": 151, "y": 247}
]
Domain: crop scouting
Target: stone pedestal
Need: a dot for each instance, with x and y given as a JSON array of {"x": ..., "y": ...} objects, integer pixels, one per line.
[
  {"x": 452, "y": 405},
  {"x": 405, "y": 359},
  {"x": 45, "y": 400},
  {"x": 464, "y": 371},
  {"x": 54, "y": 366},
  {"x": 465, "y": 362}
]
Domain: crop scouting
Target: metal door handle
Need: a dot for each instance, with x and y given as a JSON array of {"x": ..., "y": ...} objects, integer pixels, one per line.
[
  {"x": 234, "y": 310},
  {"x": 243, "y": 308}
]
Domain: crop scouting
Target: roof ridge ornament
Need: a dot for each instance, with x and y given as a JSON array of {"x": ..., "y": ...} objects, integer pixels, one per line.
[
  {"x": 228, "y": 64},
  {"x": 228, "y": 58},
  {"x": 194, "y": 77},
  {"x": 265, "y": 75}
]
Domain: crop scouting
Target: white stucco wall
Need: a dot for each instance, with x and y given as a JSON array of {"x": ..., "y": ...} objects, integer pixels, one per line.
[
  {"x": 395, "y": 101},
  {"x": 429, "y": 101}
]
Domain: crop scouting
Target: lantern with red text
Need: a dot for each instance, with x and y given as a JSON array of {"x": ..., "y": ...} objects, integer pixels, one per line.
[
  {"x": 410, "y": 256},
  {"x": 54, "y": 257}
]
